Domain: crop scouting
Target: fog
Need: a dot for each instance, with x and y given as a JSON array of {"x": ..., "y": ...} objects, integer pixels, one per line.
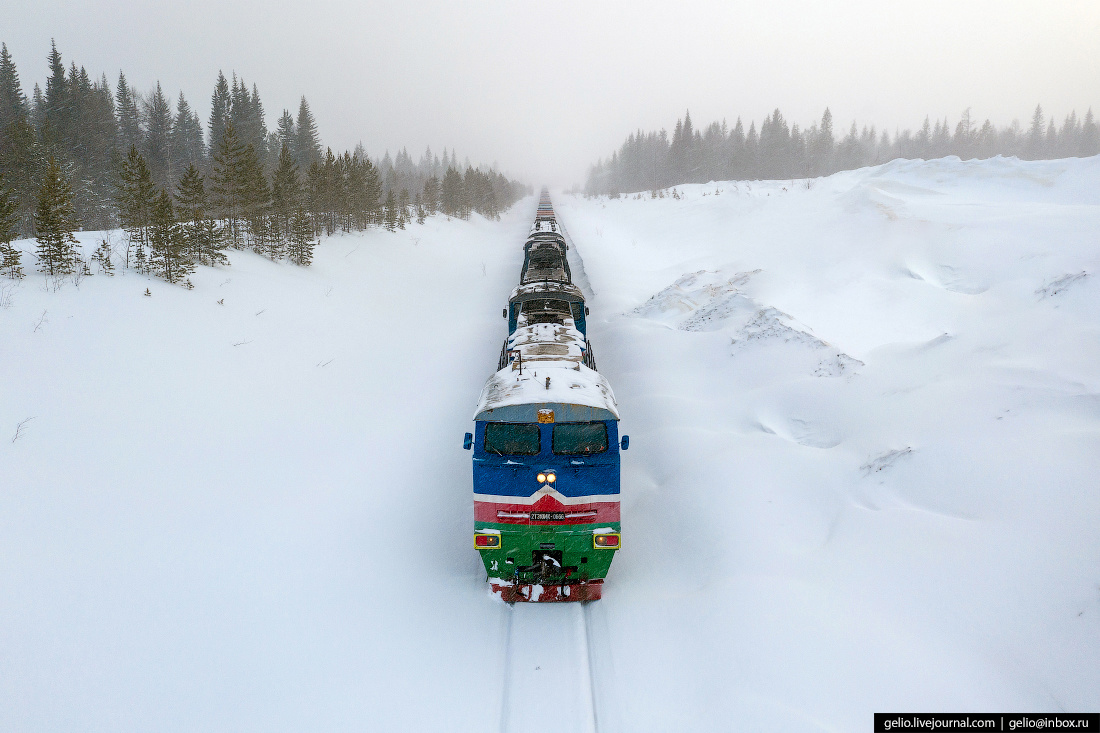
[{"x": 544, "y": 89}]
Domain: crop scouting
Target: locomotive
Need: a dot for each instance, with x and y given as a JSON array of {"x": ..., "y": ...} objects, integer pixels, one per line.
[{"x": 546, "y": 440}]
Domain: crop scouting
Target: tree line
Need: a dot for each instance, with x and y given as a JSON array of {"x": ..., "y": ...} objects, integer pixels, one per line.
[
  {"x": 778, "y": 150},
  {"x": 84, "y": 154}
]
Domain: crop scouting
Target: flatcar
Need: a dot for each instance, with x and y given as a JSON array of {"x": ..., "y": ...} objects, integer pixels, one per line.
[{"x": 546, "y": 447}]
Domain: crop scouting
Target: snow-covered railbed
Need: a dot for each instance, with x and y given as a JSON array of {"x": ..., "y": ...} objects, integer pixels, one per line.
[
  {"x": 548, "y": 676},
  {"x": 865, "y": 414}
]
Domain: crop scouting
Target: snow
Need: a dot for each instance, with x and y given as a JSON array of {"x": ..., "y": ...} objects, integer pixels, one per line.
[
  {"x": 865, "y": 421},
  {"x": 275, "y": 535},
  {"x": 556, "y": 350},
  {"x": 547, "y": 683},
  {"x": 539, "y": 287},
  {"x": 865, "y": 414}
]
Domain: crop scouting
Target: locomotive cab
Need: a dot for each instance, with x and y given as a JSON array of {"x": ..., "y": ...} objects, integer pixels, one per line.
[{"x": 546, "y": 494}]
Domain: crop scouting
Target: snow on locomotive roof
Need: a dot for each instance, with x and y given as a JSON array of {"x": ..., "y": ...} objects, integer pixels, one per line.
[
  {"x": 545, "y": 224},
  {"x": 553, "y": 377},
  {"x": 545, "y": 236},
  {"x": 574, "y": 396}
]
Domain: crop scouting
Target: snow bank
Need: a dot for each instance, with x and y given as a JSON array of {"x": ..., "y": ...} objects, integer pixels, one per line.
[{"x": 865, "y": 414}]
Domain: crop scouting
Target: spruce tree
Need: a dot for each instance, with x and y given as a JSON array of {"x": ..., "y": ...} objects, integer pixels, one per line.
[
  {"x": 333, "y": 190},
  {"x": 201, "y": 235},
  {"x": 13, "y": 103},
  {"x": 102, "y": 257},
  {"x": 55, "y": 112},
  {"x": 1035, "y": 135},
  {"x": 403, "y": 208},
  {"x": 20, "y": 156},
  {"x": 10, "y": 257},
  {"x": 168, "y": 252},
  {"x": 259, "y": 125},
  {"x": 356, "y": 185},
  {"x": 97, "y": 155},
  {"x": 141, "y": 262},
  {"x": 391, "y": 211},
  {"x": 135, "y": 202},
  {"x": 924, "y": 140},
  {"x": 1090, "y": 136},
  {"x": 55, "y": 222},
  {"x": 255, "y": 198},
  {"x": 186, "y": 138},
  {"x": 301, "y": 243},
  {"x": 308, "y": 148},
  {"x": 431, "y": 195},
  {"x": 219, "y": 112},
  {"x": 158, "y": 130},
  {"x": 315, "y": 187},
  {"x": 247, "y": 115},
  {"x": 344, "y": 175},
  {"x": 1050, "y": 144},
  {"x": 228, "y": 184},
  {"x": 286, "y": 191},
  {"x": 129, "y": 121},
  {"x": 286, "y": 132},
  {"x": 453, "y": 195},
  {"x": 372, "y": 192}
]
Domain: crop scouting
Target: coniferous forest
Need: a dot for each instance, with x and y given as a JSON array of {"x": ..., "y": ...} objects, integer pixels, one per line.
[
  {"x": 651, "y": 161},
  {"x": 89, "y": 154}
]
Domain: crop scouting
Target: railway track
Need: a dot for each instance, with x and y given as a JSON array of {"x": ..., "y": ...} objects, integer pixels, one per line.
[
  {"x": 548, "y": 676},
  {"x": 557, "y": 670}
]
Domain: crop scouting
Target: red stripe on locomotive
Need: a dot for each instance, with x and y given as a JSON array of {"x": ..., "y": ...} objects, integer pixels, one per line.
[{"x": 503, "y": 513}]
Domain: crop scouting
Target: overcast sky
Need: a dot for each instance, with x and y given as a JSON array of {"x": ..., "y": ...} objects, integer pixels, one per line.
[{"x": 544, "y": 88}]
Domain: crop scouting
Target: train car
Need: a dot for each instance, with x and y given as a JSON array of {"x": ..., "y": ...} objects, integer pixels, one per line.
[
  {"x": 546, "y": 302},
  {"x": 545, "y": 260},
  {"x": 546, "y": 451}
]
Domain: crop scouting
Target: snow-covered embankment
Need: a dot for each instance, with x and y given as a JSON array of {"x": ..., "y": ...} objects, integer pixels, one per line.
[{"x": 866, "y": 424}]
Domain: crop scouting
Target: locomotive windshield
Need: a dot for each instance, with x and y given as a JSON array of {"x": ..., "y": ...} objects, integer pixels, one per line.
[
  {"x": 579, "y": 438},
  {"x": 512, "y": 439},
  {"x": 546, "y": 310}
]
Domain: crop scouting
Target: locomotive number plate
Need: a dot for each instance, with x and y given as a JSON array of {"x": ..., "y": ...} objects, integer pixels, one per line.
[
  {"x": 546, "y": 416},
  {"x": 546, "y": 516}
]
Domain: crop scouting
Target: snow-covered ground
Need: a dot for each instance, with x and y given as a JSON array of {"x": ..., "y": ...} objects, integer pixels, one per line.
[
  {"x": 865, "y": 474},
  {"x": 246, "y": 507},
  {"x": 865, "y": 422}
]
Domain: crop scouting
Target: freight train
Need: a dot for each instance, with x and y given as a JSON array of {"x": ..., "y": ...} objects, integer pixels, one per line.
[{"x": 546, "y": 440}]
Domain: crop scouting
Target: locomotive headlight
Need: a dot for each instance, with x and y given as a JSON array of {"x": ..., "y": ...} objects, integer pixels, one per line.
[
  {"x": 542, "y": 477},
  {"x": 551, "y": 478}
]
